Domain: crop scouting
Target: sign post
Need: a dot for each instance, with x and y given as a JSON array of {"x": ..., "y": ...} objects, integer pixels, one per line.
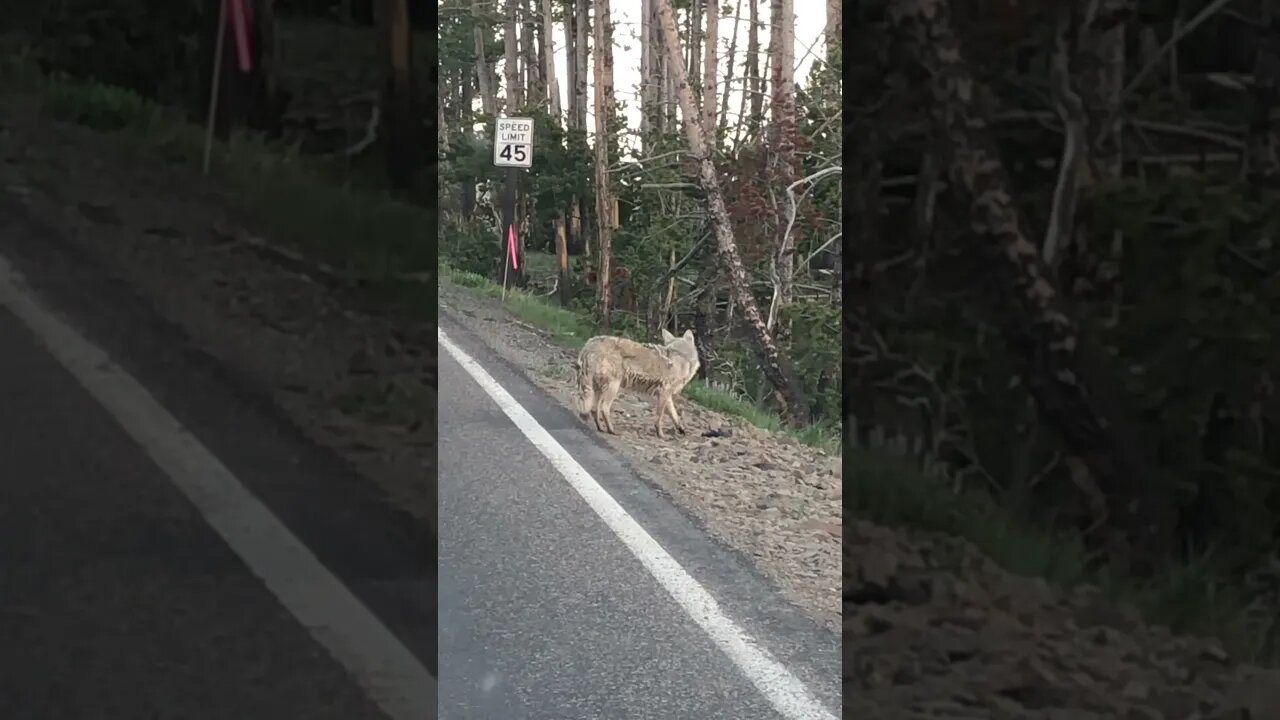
[{"x": 513, "y": 150}]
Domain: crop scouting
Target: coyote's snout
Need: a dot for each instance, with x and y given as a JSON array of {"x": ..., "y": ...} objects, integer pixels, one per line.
[{"x": 607, "y": 364}]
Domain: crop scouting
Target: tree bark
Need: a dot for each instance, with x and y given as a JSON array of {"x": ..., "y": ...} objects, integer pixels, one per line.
[
  {"x": 531, "y": 58},
  {"x": 831, "y": 31},
  {"x": 709, "y": 66},
  {"x": 603, "y": 116},
  {"x": 1262, "y": 150},
  {"x": 772, "y": 362},
  {"x": 754, "y": 91},
  {"x": 549, "y": 61},
  {"x": 646, "y": 76},
  {"x": 693, "y": 63},
  {"x": 570, "y": 62},
  {"x": 782, "y": 151},
  {"x": 1140, "y": 518},
  {"x": 580, "y": 48},
  {"x": 562, "y": 257},
  {"x": 1101, "y": 58},
  {"x": 488, "y": 94},
  {"x": 400, "y": 118},
  {"x": 511, "y": 58}
]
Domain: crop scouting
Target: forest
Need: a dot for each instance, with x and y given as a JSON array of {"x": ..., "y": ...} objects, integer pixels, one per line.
[
  {"x": 706, "y": 196},
  {"x": 1062, "y": 304}
]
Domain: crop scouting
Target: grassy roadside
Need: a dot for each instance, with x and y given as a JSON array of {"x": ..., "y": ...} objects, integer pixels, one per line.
[
  {"x": 303, "y": 203},
  {"x": 571, "y": 329}
]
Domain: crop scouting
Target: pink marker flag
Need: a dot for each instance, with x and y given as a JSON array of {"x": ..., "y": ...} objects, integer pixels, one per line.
[
  {"x": 240, "y": 26},
  {"x": 511, "y": 243}
]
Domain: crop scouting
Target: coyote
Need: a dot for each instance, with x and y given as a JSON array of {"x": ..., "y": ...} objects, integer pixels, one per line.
[{"x": 607, "y": 363}]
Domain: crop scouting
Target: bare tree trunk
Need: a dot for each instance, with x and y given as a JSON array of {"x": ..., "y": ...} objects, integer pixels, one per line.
[
  {"x": 772, "y": 361},
  {"x": 511, "y": 58},
  {"x": 603, "y": 116},
  {"x": 570, "y": 62},
  {"x": 1141, "y": 519},
  {"x": 549, "y": 61},
  {"x": 669, "y": 118},
  {"x": 488, "y": 94},
  {"x": 399, "y": 120},
  {"x": 530, "y": 55},
  {"x": 1102, "y": 58},
  {"x": 709, "y": 65},
  {"x": 580, "y": 48},
  {"x": 831, "y": 32},
  {"x": 782, "y": 132},
  {"x": 562, "y": 256},
  {"x": 733, "y": 58},
  {"x": 754, "y": 92},
  {"x": 267, "y": 60},
  {"x": 571, "y": 115},
  {"x": 1262, "y": 153},
  {"x": 646, "y": 76},
  {"x": 694, "y": 62}
]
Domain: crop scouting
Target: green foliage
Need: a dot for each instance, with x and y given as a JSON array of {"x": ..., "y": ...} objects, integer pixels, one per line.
[
  {"x": 102, "y": 107},
  {"x": 469, "y": 247},
  {"x": 1202, "y": 318},
  {"x": 813, "y": 325},
  {"x": 147, "y": 47}
]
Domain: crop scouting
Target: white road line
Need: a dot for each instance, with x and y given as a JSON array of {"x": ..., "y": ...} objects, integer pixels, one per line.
[
  {"x": 380, "y": 663},
  {"x": 780, "y": 686}
]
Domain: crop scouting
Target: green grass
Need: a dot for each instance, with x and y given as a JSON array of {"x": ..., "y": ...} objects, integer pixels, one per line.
[{"x": 572, "y": 328}]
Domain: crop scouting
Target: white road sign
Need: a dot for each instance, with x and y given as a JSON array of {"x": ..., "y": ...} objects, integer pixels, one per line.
[{"x": 513, "y": 142}]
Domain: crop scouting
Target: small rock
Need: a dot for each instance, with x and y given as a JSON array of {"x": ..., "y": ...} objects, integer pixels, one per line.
[{"x": 1135, "y": 690}]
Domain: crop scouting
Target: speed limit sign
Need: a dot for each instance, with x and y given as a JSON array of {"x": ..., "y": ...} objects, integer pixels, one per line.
[{"x": 513, "y": 142}]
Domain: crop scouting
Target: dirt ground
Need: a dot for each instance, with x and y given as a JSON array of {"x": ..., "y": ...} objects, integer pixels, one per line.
[{"x": 931, "y": 628}]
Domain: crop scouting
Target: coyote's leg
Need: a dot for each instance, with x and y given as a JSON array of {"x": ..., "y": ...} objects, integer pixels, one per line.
[
  {"x": 586, "y": 396},
  {"x": 671, "y": 409},
  {"x": 660, "y": 405},
  {"x": 596, "y": 415},
  {"x": 605, "y": 405}
]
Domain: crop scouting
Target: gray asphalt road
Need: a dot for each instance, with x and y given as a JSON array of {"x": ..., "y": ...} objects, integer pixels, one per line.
[
  {"x": 544, "y": 613},
  {"x": 117, "y": 599}
]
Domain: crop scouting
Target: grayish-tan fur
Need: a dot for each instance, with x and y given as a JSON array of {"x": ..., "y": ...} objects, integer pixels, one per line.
[{"x": 607, "y": 364}]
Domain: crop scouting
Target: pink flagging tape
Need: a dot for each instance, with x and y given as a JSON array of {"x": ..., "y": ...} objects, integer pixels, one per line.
[{"x": 240, "y": 25}]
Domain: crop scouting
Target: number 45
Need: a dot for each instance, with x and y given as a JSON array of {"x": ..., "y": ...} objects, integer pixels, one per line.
[{"x": 513, "y": 151}]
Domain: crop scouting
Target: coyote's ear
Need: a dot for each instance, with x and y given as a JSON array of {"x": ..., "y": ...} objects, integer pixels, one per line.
[
  {"x": 688, "y": 335},
  {"x": 667, "y": 337}
]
